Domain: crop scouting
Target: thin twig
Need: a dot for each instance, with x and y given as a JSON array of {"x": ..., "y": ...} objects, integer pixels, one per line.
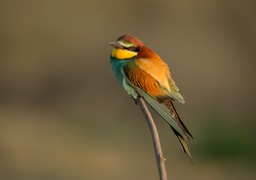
[{"x": 156, "y": 140}]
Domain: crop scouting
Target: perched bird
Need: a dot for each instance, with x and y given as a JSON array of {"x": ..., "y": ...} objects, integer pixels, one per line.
[{"x": 141, "y": 72}]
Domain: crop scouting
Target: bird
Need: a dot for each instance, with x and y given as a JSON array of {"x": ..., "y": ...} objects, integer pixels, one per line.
[{"x": 142, "y": 73}]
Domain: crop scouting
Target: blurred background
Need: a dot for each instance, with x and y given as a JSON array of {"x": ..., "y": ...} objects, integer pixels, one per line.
[{"x": 64, "y": 116}]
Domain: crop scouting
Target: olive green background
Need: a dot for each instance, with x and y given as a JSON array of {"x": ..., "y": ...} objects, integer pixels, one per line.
[{"x": 63, "y": 115}]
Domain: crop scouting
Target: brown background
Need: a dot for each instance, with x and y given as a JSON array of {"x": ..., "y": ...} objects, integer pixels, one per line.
[{"x": 64, "y": 116}]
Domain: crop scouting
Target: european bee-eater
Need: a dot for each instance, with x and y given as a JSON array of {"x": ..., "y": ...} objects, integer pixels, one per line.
[{"x": 141, "y": 72}]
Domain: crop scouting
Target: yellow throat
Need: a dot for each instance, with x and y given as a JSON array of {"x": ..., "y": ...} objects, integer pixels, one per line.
[{"x": 123, "y": 54}]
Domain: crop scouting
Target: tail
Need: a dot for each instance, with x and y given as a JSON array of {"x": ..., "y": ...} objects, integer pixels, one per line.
[
  {"x": 183, "y": 144},
  {"x": 175, "y": 115},
  {"x": 166, "y": 110},
  {"x": 168, "y": 103}
]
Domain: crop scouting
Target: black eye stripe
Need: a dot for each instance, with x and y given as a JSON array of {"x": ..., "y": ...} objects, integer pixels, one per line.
[{"x": 132, "y": 48}]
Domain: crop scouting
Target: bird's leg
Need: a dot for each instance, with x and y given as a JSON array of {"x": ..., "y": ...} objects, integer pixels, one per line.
[{"x": 136, "y": 99}]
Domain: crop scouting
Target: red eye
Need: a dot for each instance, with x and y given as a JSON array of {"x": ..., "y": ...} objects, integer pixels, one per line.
[{"x": 131, "y": 48}]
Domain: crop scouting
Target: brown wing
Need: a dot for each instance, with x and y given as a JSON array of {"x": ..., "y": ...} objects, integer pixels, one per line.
[{"x": 143, "y": 80}]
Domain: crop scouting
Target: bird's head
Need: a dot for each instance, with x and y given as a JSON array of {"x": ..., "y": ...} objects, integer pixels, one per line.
[{"x": 126, "y": 47}]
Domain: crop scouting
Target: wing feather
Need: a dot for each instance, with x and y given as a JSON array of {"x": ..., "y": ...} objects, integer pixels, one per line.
[
  {"x": 152, "y": 66},
  {"x": 147, "y": 87}
]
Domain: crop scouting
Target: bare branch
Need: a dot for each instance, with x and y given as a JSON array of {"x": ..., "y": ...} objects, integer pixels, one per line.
[{"x": 156, "y": 140}]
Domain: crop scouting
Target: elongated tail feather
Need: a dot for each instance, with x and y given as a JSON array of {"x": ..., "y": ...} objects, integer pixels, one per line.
[
  {"x": 183, "y": 144},
  {"x": 174, "y": 113},
  {"x": 167, "y": 111}
]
